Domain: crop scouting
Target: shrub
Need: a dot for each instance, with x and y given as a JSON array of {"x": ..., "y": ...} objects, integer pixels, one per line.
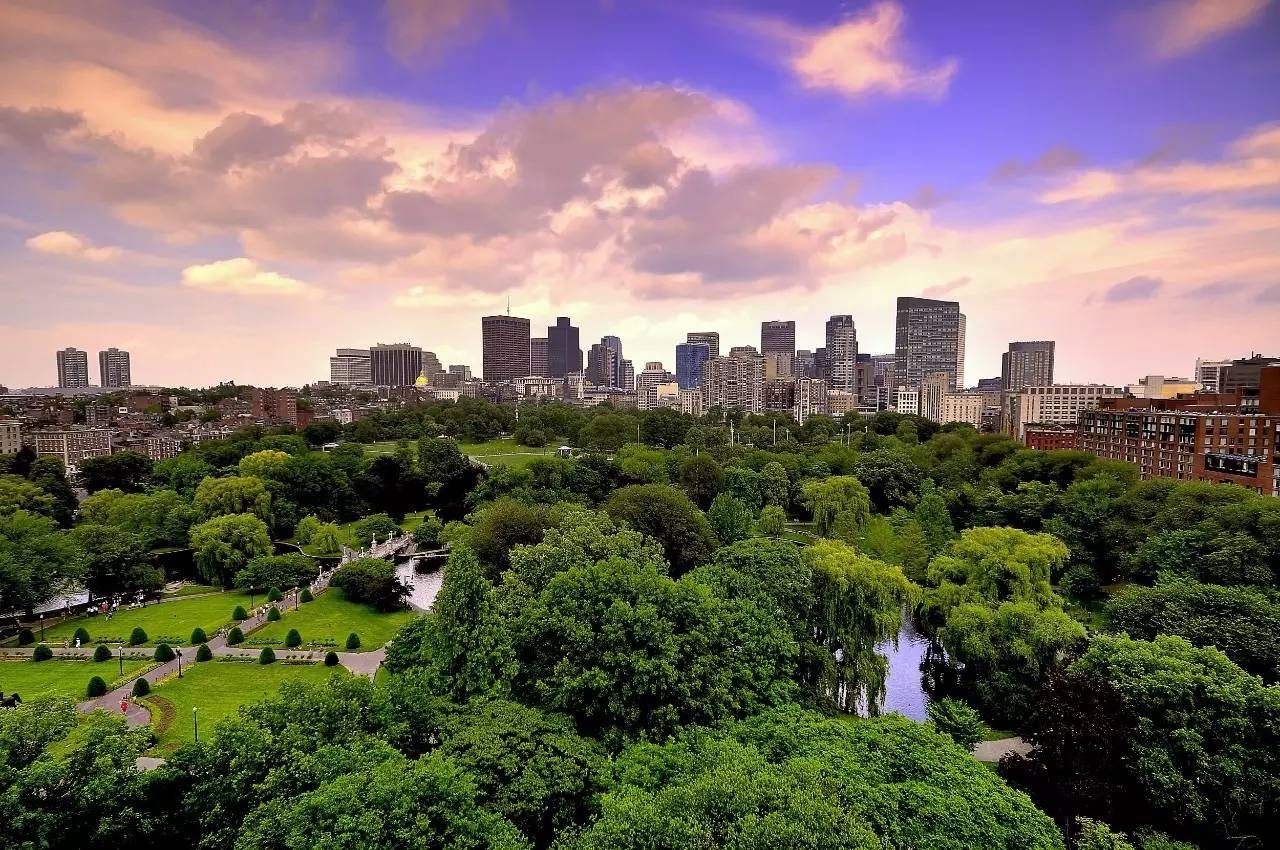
[
  {"x": 198, "y": 636},
  {"x": 42, "y": 653},
  {"x": 97, "y": 687},
  {"x": 204, "y": 653},
  {"x": 293, "y": 639},
  {"x": 141, "y": 687},
  {"x": 102, "y": 653},
  {"x": 372, "y": 581},
  {"x": 305, "y": 595},
  {"x": 353, "y": 641},
  {"x": 26, "y": 637},
  {"x": 82, "y": 635},
  {"x": 273, "y": 613},
  {"x": 235, "y": 636},
  {"x": 239, "y": 614},
  {"x": 164, "y": 653},
  {"x": 274, "y": 595},
  {"x": 958, "y": 720},
  {"x": 137, "y": 637},
  {"x": 331, "y": 659},
  {"x": 267, "y": 656}
]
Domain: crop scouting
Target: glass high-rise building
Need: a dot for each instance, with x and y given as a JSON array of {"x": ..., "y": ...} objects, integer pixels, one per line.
[
  {"x": 929, "y": 339},
  {"x": 691, "y": 359},
  {"x": 350, "y": 367},
  {"x": 564, "y": 354},
  {"x": 711, "y": 338},
  {"x": 504, "y": 348}
]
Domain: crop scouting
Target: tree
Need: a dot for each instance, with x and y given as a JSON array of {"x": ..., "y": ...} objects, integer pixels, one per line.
[
  {"x": 665, "y": 514},
  {"x": 957, "y": 719},
  {"x": 325, "y": 539},
  {"x": 608, "y": 432},
  {"x": 125, "y": 471},
  {"x": 700, "y": 477},
  {"x": 116, "y": 561},
  {"x": 36, "y": 560},
  {"x": 664, "y": 427},
  {"x": 264, "y": 464},
  {"x": 380, "y": 526},
  {"x": 773, "y": 520},
  {"x": 427, "y": 533},
  {"x": 267, "y": 571},
  {"x": 730, "y": 519},
  {"x": 161, "y": 517},
  {"x": 502, "y": 525},
  {"x": 17, "y": 493},
  {"x": 182, "y": 473},
  {"x": 775, "y": 486},
  {"x": 372, "y": 581},
  {"x": 993, "y": 565},
  {"x": 841, "y": 506},
  {"x": 935, "y": 521},
  {"x": 235, "y": 495},
  {"x": 306, "y": 529},
  {"x": 450, "y": 473},
  {"x": 224, "y": 545},
  {"x": 891, "y": 478}
]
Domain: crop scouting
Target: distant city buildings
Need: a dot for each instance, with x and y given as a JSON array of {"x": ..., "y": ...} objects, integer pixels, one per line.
[
  {"x": 778, "y": 337},
  {"x": 691, "y": 361},
  {"x": 505, "y": 348},
  {"x": 461, "y": 372},
  {"x": 929, "y": 338},
  {"x": 1027, "y": 364},
  {"x": 73, "y": 368},
  {"x": 1059, "y": 404},
  {"x": 10, "y": 437},
  {"x": 113, "y": 368},
  {"x": 539, "y": 365},
  {"x": 395, "y": 365},
  {"x": 72, "y": 446},
  {"x": 842, "y": 354},
  {"x": 351, "y": 367},
  {"x": 710, "y": 338},
  {"x": 1209, "y": 374},
  {"x": 564, "y": 354}
]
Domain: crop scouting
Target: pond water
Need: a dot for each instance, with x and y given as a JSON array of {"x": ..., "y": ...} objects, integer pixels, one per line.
[
  {"x": 424, "y": 586},
  {"x": 904, "y": 687}
]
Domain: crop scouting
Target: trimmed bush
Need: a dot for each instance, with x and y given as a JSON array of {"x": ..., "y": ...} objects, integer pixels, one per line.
[
  {"x": 273, "y": 614},
  {"x": 96, "y": 688},
  {"x": 198, "y": 636},
  {"x": 141, "y": 687},
  {"x": 305, "y": 595},
  {"x": 331, "y": 659},
  {"x": 274, "y": 595},
  {"x": 137, "y": 637},
  {"x": 353, "y": 641},
  {"x": 82, "y": 635},
  {"x": 235, "y": 636},
  {"x": 164, "y": 653},
  {"x": 293, "y": 639},
  {"x": 267, "y": 656},
  {"x": 239, "y": 614},
  {"x": 42, "y": 653},
  {"x": 26, "y": 637},
  {"x": 102, "y": 653},
  {"x": 204, "y": 653}
]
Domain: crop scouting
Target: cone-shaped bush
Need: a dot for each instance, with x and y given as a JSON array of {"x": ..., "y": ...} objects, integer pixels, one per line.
[
  {"x": 82, "y": 635},
  {"x": 204, "y": 653},
  {"x": 305, "y": 595},
  {"x": 331, "y": 659},
  {"x": 141, "y": 687},
  {"x": 274, "y": 595},
  {"x": 273, "y": 613},
  {"x": 353, "y": 641},
  {"x": 267, "y": 656},
  {"x": 26, "y": 637},
  {"x": 164, "y": 653},
  {"x": 42, "y": 653},
  {"x": 239, "y": 614},
  {"x": 198, "y": 636},
  {"x": 137, "y": 637},
  {"x": 293, "y": 639},
  {"x": 102, "y": 653},
  {"x": 96, "y": 688},
  {"x": 235, "y": 636}
]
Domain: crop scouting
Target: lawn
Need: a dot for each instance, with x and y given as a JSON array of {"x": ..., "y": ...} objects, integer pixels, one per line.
[
  {"x": 328, "y": 620},
  {"x": 164, "y": 622},
  {"x": 192, "y": 590},
  {"x": 506, "y": 451},
  {"x": 58, "y": 678},
  {"x": 218, "y": 688}
]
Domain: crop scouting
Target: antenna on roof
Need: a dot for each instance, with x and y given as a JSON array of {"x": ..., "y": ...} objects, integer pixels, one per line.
[{"x": 508, "y": 305}]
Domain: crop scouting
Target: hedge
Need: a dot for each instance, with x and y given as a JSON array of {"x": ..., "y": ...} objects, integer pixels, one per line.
[
  {"x": 137, "y": 637},
  {"x": 96, "y": 688},
  {"x": 42, "y": 653},
  {"x": 102, "y": 653}
]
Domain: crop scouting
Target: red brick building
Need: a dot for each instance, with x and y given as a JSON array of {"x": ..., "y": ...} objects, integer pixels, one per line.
[
  {"x": 274, "y": 405},
  {"x": 1050, "y": 437}
]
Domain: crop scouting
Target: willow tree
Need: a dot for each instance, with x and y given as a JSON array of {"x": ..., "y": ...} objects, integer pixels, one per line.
[
  {"x": 841, "y": 506},
  {"x": 858, "y": 602}
]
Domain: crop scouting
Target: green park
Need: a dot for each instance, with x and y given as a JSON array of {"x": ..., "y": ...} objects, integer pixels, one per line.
[
  {"x": 328, "y": 620},
  {"x": 58, "y": 677},
  {"x": 163, "y": 622}
]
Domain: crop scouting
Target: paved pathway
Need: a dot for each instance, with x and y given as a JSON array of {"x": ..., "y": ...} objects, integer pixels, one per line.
[{"x": 996, "y": 750}]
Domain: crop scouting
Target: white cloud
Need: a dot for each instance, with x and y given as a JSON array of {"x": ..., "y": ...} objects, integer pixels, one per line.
[
  {"x": 426, "y": 28},
  {"x": 63, "y": 244},
  {"x": 1179, "y": 27},
  {"x": 242, "y": 276}
]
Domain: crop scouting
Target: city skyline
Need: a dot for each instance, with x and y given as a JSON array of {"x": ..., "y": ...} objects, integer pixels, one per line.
[{"x": 272, "y": 186}]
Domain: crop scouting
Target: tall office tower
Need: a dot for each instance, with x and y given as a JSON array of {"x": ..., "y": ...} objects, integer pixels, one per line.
[
  {"x": 73, "y": 368},
  {"x": 538, "y": 366},
  {"x": 614, "y": 344},
  {"x": 691, "y": 359},
  {"x": 736, "y": 382},
  {"x": 627, "y": 370},
  {"x": 821, "y": 365},
  {"x": 602, "y": 366},
  {"x": 811, "y": 398},
  {"x": 463, "y": 373},
  {"x": 804, "y": 363},
  {"x": 395, "y": 365},
  {"x": 1026, "y": 364},
  {"x": 564, "y": 355},
  {"x": 933, "y": 389},
  {"x": 711, "y": 338},
  {"x": 778, "y": 337},
  {"x": 431, "y": 364},
  {"x": 866, "y": 368},
  {"x": 647, "y": 384},
  {"x": 884, "y": 371},
  {"x": 113, "y": 368},
  {"x": 350, "y": 367},
  {"x": 842, "y": 354},
  {"x": 1209, "y": 373},
  {"x": 1245, "y": 374},
  {"x": 930, "y": 338},
  {"x": 505, "y": 348}
]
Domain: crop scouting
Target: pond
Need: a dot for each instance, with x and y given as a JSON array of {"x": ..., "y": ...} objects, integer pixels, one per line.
[
  {"x": 904, "y": 687},
  {"x": 424, "y": 586}
]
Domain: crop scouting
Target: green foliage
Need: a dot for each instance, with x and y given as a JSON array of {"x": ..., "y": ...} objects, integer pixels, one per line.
[
  {"x": 292, "y": 569},
  {"x": 372, "y": 581},
  {"x": 730, "y": 519},
  {"x": 841, "y": 506},
  {"x": 163, "y": 653},
  {"x": 236, "y": 495},
  {"x": 36, "y": 559},
  {"x": 773, "y": 520},
  {"x": 304, "y": 595},
  {"x": 268, "y": 463},
  {"x": 159, "y": 517},
  {"x": 273, "y": 614},
  {"x": 326, "y": 539},
  {"x": 700, "y": 477},
  {"x": 353, "y": 642},
  {"x": 957, "y": 719},
  {"x": 116, "y": 561},
  {"x": 141, "y": 687},
  {"x": 125, "y": 471},
  {"x": 993, "y": 565},
  {"x": 204, "y": 653},
  {"x": 274, "y": 594},
  {"x": 267, "y": 656},
  {"x": 293, "y": 639},
  {"x": 138, "y": 637},
  {"x": 239, "y": 614},
  {"x": 198, "y": 636},
  {"x": 500, "y": 526},
  {"x": 306, "y": 529},
  {"x": 96, "y": 688},
  {"x": 226, "y": 544},
  {"x": 426, "y": 534},
  {"x": 102, "y": 653},
  {"x": 934, "y": 519},
  {"x": 26, "y": 637},
  {"x": 235, "y": 636},
  {"x": 81, "y": 635},
  {"x": 380, "y": 526},
  {"x": 331, "y": 659},
  {"x": 666, "y": 515},
  {"x": 42, "y": 652},
  {"x": 1095, "y": 835}
]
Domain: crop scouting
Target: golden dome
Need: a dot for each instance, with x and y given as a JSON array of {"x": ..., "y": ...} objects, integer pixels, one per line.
[{"x": 421, "y": 380}]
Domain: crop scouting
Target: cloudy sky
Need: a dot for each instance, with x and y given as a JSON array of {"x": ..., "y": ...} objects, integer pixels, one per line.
[{"x": 232, "y": 190}]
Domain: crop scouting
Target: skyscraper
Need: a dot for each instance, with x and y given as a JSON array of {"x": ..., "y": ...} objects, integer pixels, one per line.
[
  {"x": 930, "y": 338},
  {"x": 113, "y": 368},
  {"x": 504, "y": 347},
  {"x": 350, "y": 367},
  {"x": 842, "y": 354},
  {"x": 711, "y": 338},
  {"x": 73, "y": 368},
  {"x": 1026, "y": 364},
  {"x": 603, "y": 366},
  {"x": 647, "y": 383},
  {"x": 614, "y": 344},
  {"x": 395, "y": 365},
  {"x": 538, "y": 357},
  {"x": 778, "y": 337},
  {"x": 628, "y": 372},
  {"x": 691, "y": 359},
  {"x": 564, "y": 354}
]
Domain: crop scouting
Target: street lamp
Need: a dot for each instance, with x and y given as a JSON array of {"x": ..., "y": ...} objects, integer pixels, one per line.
[
  {"x": 120, "y": 655},
  {"x": 179, "y": 653},
  {"x": 195, "y": 718},
  {"x": 42, "y": 628}
]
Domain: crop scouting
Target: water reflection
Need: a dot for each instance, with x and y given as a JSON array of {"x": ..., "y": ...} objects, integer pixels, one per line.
[
  {"x": 904, "y": 690},
  {"x": 424, "y": 586}
]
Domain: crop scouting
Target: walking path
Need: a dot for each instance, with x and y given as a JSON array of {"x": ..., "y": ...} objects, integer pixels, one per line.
[{"x": 996, "y": 750}]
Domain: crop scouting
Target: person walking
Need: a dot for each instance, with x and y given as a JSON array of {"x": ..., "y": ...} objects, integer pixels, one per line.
[{"x": 124, "y": 705}]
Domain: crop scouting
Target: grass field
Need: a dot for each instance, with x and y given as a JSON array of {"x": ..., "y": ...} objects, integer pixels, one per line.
[
  {"x": 192, "y": 590},
  {"x": 328, "y": 620},
  {"x": 507, "y": 452},
  {"x": 164, "y": 622},
  {"x": 57, "y": 678},
  {"x": 218, "y": 688}
]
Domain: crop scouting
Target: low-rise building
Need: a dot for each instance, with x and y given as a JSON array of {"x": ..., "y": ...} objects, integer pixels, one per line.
[
  {"x": 1057, "y": 404},
  {"x": 10, "y": 437},
  {"x": 72, "y": 446},
  {"x": 1049, "y": 438}
]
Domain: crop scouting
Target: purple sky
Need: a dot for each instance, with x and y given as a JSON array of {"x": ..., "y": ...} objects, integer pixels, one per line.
[{"x": 234, "y": 190}]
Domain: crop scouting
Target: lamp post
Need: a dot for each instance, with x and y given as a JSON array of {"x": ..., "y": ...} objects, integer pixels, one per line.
[
  {"x": 195, "y": 719},
  {"x": 120, "y": 655},
  {"x": 179, "y": 654},
  {"x": 295, "y": 597},
  {"x": 42, "y": 628}
]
